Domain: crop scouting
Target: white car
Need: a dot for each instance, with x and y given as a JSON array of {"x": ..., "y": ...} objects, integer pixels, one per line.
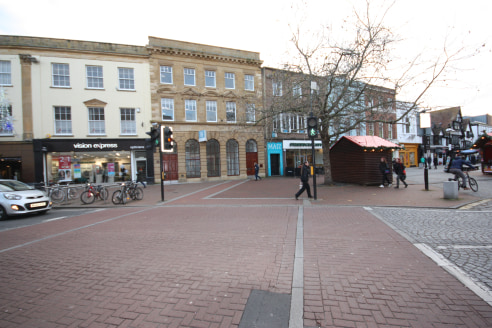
[{"x": 19, "y": 198}]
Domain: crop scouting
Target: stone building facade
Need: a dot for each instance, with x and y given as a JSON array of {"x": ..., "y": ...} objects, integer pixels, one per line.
[{"x": 211, "y": 97}]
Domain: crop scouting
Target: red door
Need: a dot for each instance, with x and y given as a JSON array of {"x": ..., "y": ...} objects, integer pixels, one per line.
[
  {"x": 170, "y": 166},
  {"x": 251, "y": 158}
]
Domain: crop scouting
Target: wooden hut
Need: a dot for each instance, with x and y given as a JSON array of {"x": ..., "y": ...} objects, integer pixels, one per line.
[
  {"x": 355, "y": 159},
  {"x": 484, "y": 144}
]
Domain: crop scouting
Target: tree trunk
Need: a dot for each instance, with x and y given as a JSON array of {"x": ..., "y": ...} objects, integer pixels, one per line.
[{"x": 327, "y": 163}]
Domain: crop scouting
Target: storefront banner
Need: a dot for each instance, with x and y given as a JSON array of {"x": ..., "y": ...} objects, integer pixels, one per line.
[
  {"x": 64, "y": 162},
  {"x": 76, "y": 171},
  {"x": 300, "y": 144},
  {"x": 110, "y": 169}
]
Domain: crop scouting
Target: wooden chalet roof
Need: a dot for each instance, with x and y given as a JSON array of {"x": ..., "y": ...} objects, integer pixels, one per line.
[{"x": 369, "y": 142}]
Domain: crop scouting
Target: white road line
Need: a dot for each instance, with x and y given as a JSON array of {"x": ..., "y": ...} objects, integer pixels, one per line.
[
  {"x": 297, "y": 295},
  {"x": 480, "y": 289}
]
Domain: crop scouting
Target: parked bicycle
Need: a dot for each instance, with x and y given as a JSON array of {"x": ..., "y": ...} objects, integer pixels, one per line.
[
  {"x": 91, "y": 192},
  {"x": 128, "y": 190},
  {"x": 471, "y": 181}
]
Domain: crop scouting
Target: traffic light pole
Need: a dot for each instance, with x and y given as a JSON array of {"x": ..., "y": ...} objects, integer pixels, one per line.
[
  {"x": 161, "y": 169},
  {"x": 315, "y": 190}
]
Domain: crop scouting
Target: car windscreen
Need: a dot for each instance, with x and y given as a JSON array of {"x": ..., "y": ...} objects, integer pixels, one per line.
[{"x": 14, "y": 185}]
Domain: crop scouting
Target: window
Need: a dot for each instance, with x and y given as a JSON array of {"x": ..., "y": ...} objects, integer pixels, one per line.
[
  {"x": 250, "y": 113},
  {"x": 5, "y": 73},
  {"x": 94, "y": 77},
  {"x": 230, "y": 80},
  {"x": 211, "y": 111},
  {"x": 96, "y": 120},
  {"x": 370, "y": 129},
  {"x": 297, "y": 90},
  {"x": 167, "y": 106},
  {"x": 407, "y": 125},
  {"x": 231, "y": 112},
  {"x": 190, "y": 110},
  {"x": 128, "y": 124},
  {"x": 381, "y": 130},
  {"x": 63, "y": 120},
  {"x": 249, "y": 82},
  {"x": 166, "y": 74},
  {"x": 251, "y": 146},
  {"x": 189, "y": 76},
  {"x": 213, "y": 158},
  {"x": 232, "y": 149},
  {"x": 277, "y": 88},
  {"x": 390, "y": 131},
  {"x": 6, "y": 125},
  {"x": 60, "y": 75},
  {"x": 210, "y": 79},
  {"x": 126, "y": 78},
  {"x": 192, "y": 149}
]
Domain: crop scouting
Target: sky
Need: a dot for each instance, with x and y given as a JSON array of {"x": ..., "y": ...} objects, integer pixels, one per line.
[{"x": 265, "y": 26}]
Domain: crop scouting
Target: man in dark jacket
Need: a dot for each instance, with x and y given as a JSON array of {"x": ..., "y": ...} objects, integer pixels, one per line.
[
  {"x": 399, "y": 170},
  {"x": 456, "y": 167},
  {"x": 305, "y": 180}
]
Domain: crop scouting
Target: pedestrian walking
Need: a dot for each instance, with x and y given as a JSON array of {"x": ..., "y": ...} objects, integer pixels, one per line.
[
  {"x": 305, "y": 180},
  {"x": 400, "y": 172},
  {"x": 436, "y": 162},
  {"x": 384, "y": 168},
  {"x": 257, "y": 171}
]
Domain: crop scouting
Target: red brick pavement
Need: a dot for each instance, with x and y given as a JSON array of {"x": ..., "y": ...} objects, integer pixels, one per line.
[{"x": 193, "y": 260}]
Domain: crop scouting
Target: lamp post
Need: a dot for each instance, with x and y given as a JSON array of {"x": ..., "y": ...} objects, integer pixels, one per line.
[
  {"x": 313, "y": 132},
  {"x": 425, "y": 122}
]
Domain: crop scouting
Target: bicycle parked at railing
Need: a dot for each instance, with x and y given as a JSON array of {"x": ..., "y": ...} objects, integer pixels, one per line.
[
  {"x": 91, "y": 192},
  {"x": 128, "y": 190},
  {"x": 53, "y": 191},
  {"x": 471, "y": 181}
]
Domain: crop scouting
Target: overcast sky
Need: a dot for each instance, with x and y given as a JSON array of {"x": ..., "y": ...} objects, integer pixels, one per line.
[{"x": 263, "y": 26}]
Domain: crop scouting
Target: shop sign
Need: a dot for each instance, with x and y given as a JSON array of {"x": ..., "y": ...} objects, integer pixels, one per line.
[
  {"x": 95, "y": 146},
  {"x": 299, "y": 144}
]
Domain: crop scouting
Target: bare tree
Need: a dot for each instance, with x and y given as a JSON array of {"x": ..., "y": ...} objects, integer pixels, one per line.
[{"x": 355, "y": 91}]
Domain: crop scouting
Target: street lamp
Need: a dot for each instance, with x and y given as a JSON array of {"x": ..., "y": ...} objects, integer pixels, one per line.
[{"x": 425, "y": 123}]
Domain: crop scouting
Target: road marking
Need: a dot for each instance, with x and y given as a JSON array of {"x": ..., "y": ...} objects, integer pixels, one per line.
[
  {"x": 297, "y": 298},
  {"x": 54, "y": 219},
  {"x": 478, "y": 288},
  {"x": 465, "y": 247},
  {"x": 69, "y": 231}
]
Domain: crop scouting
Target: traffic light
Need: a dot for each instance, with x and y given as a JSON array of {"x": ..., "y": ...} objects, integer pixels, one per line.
[
  {"x": 168, "y": 141},
  {"x": 312, "y": 125},
  {"x": 154, "y": 134}
]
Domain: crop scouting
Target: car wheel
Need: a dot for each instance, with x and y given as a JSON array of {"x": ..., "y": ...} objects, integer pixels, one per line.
[{"x": 3, "y": 213}]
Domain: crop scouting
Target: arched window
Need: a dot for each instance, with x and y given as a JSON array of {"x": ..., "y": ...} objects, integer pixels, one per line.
[
  {"x": 232, "y": 149},
  {"x": 192, "y": 159},
  {"x": 213, "y": 158},
  {"x": 251, "y": 146}
]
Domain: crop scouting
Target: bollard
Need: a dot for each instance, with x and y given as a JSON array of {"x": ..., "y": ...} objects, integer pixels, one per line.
[{"x": 450, "y": 189}]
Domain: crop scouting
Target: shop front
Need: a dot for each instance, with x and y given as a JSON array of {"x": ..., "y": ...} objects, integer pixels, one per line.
[
  {"x": 90, "y": 160},
  {"x": 299, "y": 151}
]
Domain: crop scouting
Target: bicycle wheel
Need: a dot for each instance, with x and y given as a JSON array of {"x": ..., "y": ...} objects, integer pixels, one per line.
[
  {"x": 72, "y": 193},
  {"x": 117, "y": 197},
  {"x": 103, "y": 193},
  {"x": 57, "y": 195},
  {"x": 473, "y": 184},
  {"x": 87, "y": 197},
  {"x": 138, "y": 193}
]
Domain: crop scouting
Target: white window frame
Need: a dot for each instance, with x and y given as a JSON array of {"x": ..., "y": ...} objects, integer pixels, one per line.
[
  {"x": 60, "y": 75},
  {"x": 6, "y": 124},
  {"x": 211, "y": 107},
  {"x": 166, "y": 74},
  {"x": 5, "y": 72},
  {"x": 297, "y": 91},
  {"x": 167, "y": 109},
  {"x": 94, "y": 76},
  {"x": 126, "y": 78},
  {"x": 128, "y": 123},
  {"x": 210, "y": 76},
  {"x": 97, "y": 125},
  {"x": 277, "y": 88},
  {"x": 249, "y": 82},
  {"x": 63, "y": 125},
  {"x": 230, "y": 111},
  {"x": 250, "y": 113},
  {"x": 189, "y": 73},
  {"x": 190, "y": 110},
  {"x": 228, "y": 79}
]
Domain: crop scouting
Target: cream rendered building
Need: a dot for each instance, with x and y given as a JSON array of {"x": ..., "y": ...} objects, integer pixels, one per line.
[
  {"x": 211, "y": 97},
  {"x": 79, "y": 109}
]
